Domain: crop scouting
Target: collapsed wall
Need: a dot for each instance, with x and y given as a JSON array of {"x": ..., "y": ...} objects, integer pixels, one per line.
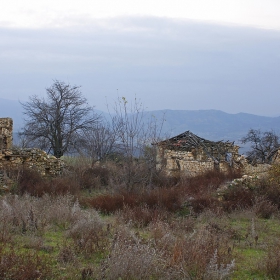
[{"x": 12, "y": 158}]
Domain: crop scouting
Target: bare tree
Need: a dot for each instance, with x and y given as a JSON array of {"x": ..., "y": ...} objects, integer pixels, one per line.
[
  {"x": 135, "y": 131},
  {"x": 264, "y": 145},
  {"x": 56, "y": 122},
  {"x": 99, "y": 142}
]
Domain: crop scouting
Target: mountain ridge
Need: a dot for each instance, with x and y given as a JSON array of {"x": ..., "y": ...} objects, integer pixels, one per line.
[{"x": 210, "y": 124}]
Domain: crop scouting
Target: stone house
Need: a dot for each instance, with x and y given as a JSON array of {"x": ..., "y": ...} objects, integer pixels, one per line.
[{"x": 191, "y": 155}]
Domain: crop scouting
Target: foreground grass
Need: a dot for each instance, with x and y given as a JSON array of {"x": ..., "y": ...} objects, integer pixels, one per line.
[
  {"x": 173, "y": 229},
  {"x": 67, "y": 242}
]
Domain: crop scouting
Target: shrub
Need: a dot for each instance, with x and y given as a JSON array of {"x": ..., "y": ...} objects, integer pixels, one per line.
[
  {"x": 204, "y": 184},
  {"x": 167, "y": 198},
  {"x": 110, "y": 203},
  {"x": 59, "y": 211},
  {"x": 90, "y": 234},
  {"x": 271, "y": 190},
  {"x": 237, "y": 197},
  {"x": 66, "y": 254},
  {"x": 16, "y": 265},
  {"x": 31, "y": 182},
  {"x": 141, "y": 216},
  {"x": 271, "y": 263},
  {"x": 200, "y": 204},
  {"x": 62, "y": 186},
  {"x": 27, "y": 214},
  {"x": 95, "y": 177},
  {"x": 216, "y": 270},
  {"x": 264, "y": 208},
  {"x": 129, "y": 258}
]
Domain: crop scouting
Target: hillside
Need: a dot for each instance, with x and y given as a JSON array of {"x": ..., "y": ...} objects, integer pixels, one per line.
[{"x": 214, "y": 124}]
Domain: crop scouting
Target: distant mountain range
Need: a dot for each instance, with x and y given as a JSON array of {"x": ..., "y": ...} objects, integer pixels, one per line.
[
  {"x": 214, "y": 124},
  {"x": 209, "y": 124}
]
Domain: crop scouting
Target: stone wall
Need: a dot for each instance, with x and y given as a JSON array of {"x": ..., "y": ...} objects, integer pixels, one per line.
[
  {"x": 12, "y": 158},
  {"x": 259, "y": 170},
  {"x": 6, "y": 133},
  {"x": 36, "y": 159},
  {"x": 175, "y": 162}
]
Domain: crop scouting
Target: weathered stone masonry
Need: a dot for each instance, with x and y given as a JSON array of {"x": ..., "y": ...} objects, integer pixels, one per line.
[
  {"x": 191, "y": 155},
  {"x": 13, "y": 158},
  {"x": 6, "y": 133}
]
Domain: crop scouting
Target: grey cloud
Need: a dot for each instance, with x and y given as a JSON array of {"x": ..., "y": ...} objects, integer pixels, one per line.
[{"x": 167, "y": 63}]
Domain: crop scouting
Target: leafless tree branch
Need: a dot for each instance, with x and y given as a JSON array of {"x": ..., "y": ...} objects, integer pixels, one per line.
[{"x": 53, "y": 122}]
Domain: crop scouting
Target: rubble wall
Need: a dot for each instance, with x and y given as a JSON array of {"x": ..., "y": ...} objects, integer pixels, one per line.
[
  {"x": 6, "y": 133},
  {"x": 14, "y": 158},
  {"x": 31, "y": 158},
  {"x": 36, "y": 159},
  {"x": 259, "y": 170}
]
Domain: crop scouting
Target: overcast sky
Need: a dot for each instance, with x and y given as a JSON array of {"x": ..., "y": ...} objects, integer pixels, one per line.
[{"x": 179, "y": 54}]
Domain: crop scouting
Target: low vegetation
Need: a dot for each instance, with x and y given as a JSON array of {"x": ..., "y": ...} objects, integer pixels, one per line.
[{"x": 89, "y": 223}]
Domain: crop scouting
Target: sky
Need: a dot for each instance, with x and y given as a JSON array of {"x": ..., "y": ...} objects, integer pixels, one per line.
[{"x": 179, "y": 54}]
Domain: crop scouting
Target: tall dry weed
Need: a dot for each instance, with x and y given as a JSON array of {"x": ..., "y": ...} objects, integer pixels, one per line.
[
  {"x": 18, "y": 265},
  {"x": 141, "y": 216},
  {"x": 130, "y": 258},
  {"x": 201, "y": 254},
  {"x": 89, "y": 234},
  {"x": 271, "y": 262},
  {"x": 29, "y": 215}
]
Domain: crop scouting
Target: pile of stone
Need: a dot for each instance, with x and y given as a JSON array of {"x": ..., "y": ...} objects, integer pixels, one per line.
[{"x": 246, "y": 182}]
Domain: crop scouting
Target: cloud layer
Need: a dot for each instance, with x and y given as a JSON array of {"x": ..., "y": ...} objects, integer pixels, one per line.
[{"x": 168, "y": 64}]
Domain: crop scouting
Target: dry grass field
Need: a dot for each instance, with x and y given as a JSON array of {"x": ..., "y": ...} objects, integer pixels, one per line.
[{"x": 91, "y": 224}]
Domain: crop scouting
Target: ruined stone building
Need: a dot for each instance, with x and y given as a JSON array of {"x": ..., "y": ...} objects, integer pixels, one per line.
[
  {"x": 14, "y": 158},
  {"x": 191, "y": 155}
]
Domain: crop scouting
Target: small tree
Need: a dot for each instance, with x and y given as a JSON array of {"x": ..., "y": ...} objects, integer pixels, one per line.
[
  {"x": 99, "y": 142},
  {"x": 135, "y": 131},
  {"x": 56, "y": 122},
  {"x": 264, "y": 145}
]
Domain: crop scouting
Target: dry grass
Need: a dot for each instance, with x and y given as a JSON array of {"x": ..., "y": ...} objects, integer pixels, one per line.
[
  {"x": 173, "y": 229},
  {"x": 129, "y": 258},
  {"x": 271, "y": 262},
  {"x": 141, "y": 216},
  {"x": 89, "y": 234},
  {"x": 16, "y": 265}
]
